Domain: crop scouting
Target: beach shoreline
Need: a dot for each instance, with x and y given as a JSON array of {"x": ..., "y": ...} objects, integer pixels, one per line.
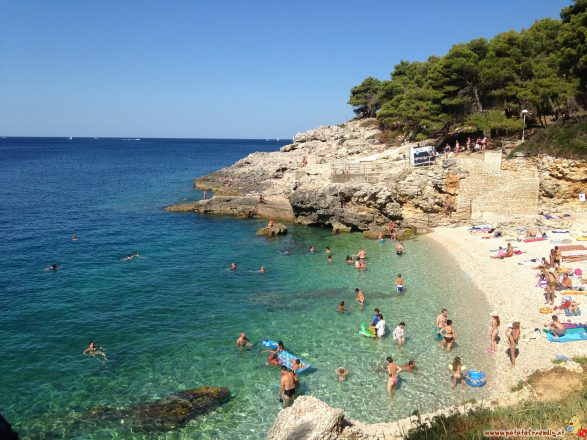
[{"x": 511, "y": 291}]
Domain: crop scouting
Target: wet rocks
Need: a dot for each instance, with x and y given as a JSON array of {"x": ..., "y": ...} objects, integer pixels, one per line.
[
  {"x": 276, "y": 229},
  {"x": 167, "y": 414}
]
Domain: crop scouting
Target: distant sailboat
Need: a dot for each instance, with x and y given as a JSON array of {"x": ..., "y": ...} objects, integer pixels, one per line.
[
  {"x": 277, "y": 139},
  {"x": 70, "y": 138}
]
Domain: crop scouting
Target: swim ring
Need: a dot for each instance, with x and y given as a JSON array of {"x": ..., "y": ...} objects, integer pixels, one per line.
[
  {"x": 545, "y": 310},
  {"x": 474, "y": 378}
]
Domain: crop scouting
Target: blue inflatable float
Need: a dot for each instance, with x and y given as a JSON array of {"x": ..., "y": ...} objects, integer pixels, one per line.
[
  {"x": 474, "y": 378},
  {"x": 285, "y": 357}
]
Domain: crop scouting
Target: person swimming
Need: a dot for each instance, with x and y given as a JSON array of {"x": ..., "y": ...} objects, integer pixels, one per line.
[
  {"x": 262, "y": 269},
  {"x": 130, "y": 257},
  {"x": 349, "y": 260},
  {"x": 340, "y": 308},
  {"x": 399, "y": 248},
  {"x": 53, "y": 267},
  {"x": 329, "y": 259},
  {"x": 93, "y": 351},
  {"x": 233, "y": 266},
  {"x": 360, "y": 297},
  {"x": 341, "y": 374},
  {"x": 312, "y": 249},
  {"x": 74, "y": 237},
  {"x": 243, "y": 341},
  {"x": 409, "y": 367}
]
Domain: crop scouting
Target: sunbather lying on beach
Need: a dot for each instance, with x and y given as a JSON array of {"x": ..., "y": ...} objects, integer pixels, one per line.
[{"x": 570, "y": 307}]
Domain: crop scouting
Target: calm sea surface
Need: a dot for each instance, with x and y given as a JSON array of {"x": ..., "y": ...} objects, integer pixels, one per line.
[{"x": 168, "y": 320}]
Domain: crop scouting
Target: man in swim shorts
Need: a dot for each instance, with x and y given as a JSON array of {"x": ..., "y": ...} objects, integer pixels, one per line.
[
  {"x": 287, "y": 387},
  {"x": 399, "y": 283},
  {"x": 399, "y": 248},
  {"x": 392, "y": 371}
]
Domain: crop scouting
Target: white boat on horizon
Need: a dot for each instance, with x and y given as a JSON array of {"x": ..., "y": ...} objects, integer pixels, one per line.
[{"x": 70, "y": 138}]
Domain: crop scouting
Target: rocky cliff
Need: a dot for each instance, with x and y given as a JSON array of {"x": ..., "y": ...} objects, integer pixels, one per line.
[{"x": 345, "y": 178}]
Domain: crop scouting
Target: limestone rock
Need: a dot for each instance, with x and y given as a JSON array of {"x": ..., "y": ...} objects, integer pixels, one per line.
[
  {"x": 6, "y": 432},
  {"x": 276, "y": 229},
  {"x": 167, "y": 414},
  {"x": 307, "y": 419}
]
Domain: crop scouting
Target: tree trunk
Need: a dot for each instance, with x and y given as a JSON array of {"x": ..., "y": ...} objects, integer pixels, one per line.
[{"x": 477, "y": 100}]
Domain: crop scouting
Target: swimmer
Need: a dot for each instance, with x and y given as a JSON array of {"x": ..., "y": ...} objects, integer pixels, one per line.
[
  {"x": 399, "y": 284},
  {"x": 349, "y": 260},
  {"x": 93, "y": 351},
  {"x": 329, "y": 259},
  {"x": 358, "y": 264},
  {"x": 233, "y": 266},
  {"x": 74, "y": 237},
  {"x": 242, "y": 340},
  {"x": 272, "y": 360},
  {"x": 399, "y": 248},
  {"x": 361, "y": 254},
  {"x": 279, "y": 348},
  {"x": 360, "y": 297},
  {"x": 398, "y": 334},
  {"x": 328, "y": 251},
  {"x": 262, "y": 269},
  {"x": 392, "y": 372},
  {"x": 363, "y": 265},
  {"x": 409, "y": 367},
  {"x": 380, "y": 326},
  {"x": 340, "y": 308},
  {"x": 381, "y": 238},
  {"x": 312, "y": 249},
  {"x": 341, "y": 373},
  {"x": 375, "y": 317},
  {"x": 53, "y": 267},
  {"x": 130, "y": 257}
]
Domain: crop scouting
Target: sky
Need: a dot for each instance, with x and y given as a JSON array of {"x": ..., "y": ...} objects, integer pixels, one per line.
[{"x": 218, "y": 68}]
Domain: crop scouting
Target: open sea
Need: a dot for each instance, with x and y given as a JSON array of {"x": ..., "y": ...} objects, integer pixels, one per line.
[{"x": 168, "y": 320}]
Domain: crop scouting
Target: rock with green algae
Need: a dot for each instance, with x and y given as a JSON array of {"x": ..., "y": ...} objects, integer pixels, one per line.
[{"x": 166, "y": 414}]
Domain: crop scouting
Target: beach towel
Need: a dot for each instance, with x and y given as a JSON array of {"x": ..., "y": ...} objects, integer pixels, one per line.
[
  {"x": 560, "y": 231},
  {"x": 571, "y": 334},
  {"x": 531, "y": 240},
  {"x": 572, "y": 247}
]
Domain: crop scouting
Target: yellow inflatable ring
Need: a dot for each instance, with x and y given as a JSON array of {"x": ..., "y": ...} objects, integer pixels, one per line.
[{"x": 545, "y": 310}]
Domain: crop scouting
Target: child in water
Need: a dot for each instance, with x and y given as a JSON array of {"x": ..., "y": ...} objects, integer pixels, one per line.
[{"x": 457, "y": 370}]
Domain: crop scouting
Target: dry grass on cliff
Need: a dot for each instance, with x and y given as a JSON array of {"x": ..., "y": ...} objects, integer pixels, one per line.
[
  {"x": 550, "y": 413},
  {"x": 566, "y": 139}
]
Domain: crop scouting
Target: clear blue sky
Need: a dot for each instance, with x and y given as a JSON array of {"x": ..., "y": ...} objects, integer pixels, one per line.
[{"x": 189, "y": 68}]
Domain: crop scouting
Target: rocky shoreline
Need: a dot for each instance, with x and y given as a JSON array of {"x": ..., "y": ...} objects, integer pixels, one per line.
[{"x": 343, "y": 177}]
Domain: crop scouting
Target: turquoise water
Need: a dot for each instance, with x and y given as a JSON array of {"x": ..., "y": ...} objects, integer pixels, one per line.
[{"x": 168, "y": 321}]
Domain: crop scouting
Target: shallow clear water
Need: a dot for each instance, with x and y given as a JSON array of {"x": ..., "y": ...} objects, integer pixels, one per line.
[{"x": 168, "y": 321}]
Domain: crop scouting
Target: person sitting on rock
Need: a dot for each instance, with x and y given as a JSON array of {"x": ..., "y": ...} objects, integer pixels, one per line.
[
  {"x": 270, "y": 224},
  {"x": 261, "y": 199}
]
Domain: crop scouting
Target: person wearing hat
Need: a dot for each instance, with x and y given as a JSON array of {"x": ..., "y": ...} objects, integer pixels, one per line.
[{"x": 552, "y": 281}]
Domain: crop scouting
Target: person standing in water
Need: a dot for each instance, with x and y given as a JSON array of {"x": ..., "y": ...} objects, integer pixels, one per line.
[
  {"x": 440, "y": 323},
  {"x": 399, "y": 284},
  {"x": 399, "y": 248},
  {"x": 340, "y": 308},
  {"x": 398, "y": 334},
  {"x": 287, "y": 387},
  {"x": 449, "y": 336},
  {"x": 242, "y": 340},
  {"x": 360, "y": 297},
  {"x": 392, "y": 371}
]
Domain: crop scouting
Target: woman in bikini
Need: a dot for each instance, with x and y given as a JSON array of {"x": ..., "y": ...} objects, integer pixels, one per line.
[
  {"x": 552, "y": 280},
  {"x": 392, "y": 370},
  {"x": 449, "y": 336},
  {"x": 513, "y": 335}
]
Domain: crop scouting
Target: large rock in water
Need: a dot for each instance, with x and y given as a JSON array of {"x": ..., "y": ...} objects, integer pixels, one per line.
[
  {"x": 308, "y": 419},
  {"x": 170, "y": 413},
  {"x": 6, "y": 432},
  {"x": 277, "y": 229}
]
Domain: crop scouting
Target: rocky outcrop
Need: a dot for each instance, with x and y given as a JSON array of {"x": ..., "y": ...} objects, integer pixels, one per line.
[
  {"x": 276, "y": 229},
  {"x": 167, "y": 414},
  {"x": 6, "y": 432},
  {"x": 343, "y": 177}
]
